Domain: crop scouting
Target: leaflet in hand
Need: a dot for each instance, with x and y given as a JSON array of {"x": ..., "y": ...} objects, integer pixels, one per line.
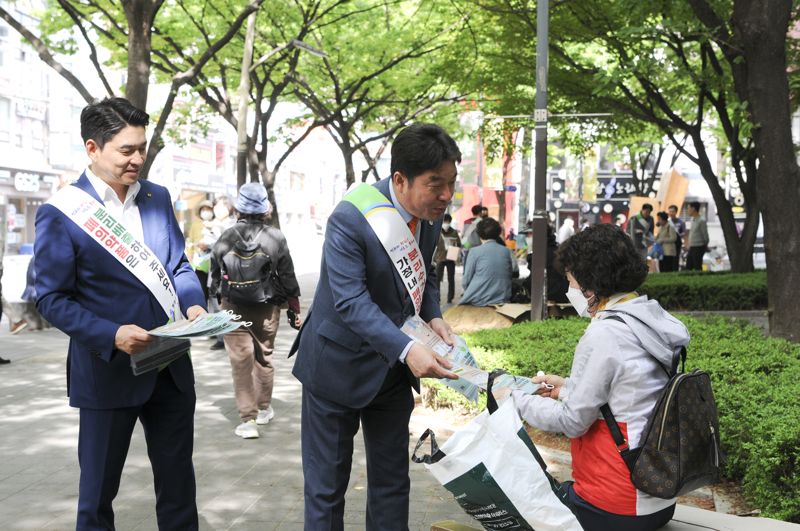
[
  {"x": 209, "y": 324},
  {"x": 470, "y": 377}
]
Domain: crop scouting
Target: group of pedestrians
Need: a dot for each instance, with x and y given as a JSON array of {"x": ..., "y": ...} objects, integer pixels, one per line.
[
  {"x": 666, "y": 246},
  {"x": 110, "y": 265}
]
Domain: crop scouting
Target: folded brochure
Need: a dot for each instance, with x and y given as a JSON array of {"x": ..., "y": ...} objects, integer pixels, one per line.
[{"x": 470, "y": 377}]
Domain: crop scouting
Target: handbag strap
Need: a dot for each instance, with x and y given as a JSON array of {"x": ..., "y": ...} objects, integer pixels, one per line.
[
  {"x": 436, "y": 454},
  {"x": 619, "y": 440},
  {"x": 491, "y": 402}
]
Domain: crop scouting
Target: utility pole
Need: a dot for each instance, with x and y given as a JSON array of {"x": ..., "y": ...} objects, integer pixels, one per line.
[{"x": 539, "y": 257}]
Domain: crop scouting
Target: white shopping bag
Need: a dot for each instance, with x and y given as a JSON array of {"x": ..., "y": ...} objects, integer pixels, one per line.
[
  {"x": 453, "y": 253},
  {"x": 495, "y": 473}
]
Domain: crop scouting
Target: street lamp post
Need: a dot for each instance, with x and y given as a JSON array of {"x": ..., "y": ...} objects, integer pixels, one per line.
[{"x": 539, "y": 256}]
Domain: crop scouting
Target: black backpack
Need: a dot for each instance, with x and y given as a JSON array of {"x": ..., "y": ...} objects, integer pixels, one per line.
[
  {"x": 680, "y": 447},
  {"x": 246, "y": 272}
]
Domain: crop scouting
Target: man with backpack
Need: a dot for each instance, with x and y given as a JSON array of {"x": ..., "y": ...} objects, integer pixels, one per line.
[{"x": 253, "y": 274}]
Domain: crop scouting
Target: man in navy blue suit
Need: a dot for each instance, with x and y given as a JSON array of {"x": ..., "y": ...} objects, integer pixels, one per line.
[
  {"x": 356, "y": 365},
  {"x": 110, "y": 265}
]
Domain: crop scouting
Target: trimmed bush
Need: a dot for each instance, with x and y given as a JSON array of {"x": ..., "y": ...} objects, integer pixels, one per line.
[
  {"x": 700, "y": 291},
  {"x": 756, "y": 383}
]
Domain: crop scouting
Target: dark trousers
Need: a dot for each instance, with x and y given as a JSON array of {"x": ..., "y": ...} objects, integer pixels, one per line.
[
  {"x": 694, "y": 258},
  {"x": 668, "y": 263},
  {"x": 105, "y": 435},
  {"x": 451, "y": 277},
  {"x": 327, "y": 436},
  {"x": 594, "y": 519}
]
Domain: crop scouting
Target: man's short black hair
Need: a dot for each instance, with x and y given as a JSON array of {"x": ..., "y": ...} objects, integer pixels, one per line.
[
  {"x": 488, "y": 229},
  {"x": 422, "y": 147},
  {"x": 476, "y": 209},
  {"x": 647, "y": 206},
  {"x": 673, "y": 207},
  {"x": 663, "y": 215},
  {"x": 101, "y": 121},
  {"x": 447, "y": 217},
  {"x": 603, "y": 259},
  {"x": 695, "y": 205}
]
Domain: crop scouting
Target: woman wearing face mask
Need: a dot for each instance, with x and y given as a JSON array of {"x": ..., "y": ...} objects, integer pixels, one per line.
[
  {"x": 201, "y": 242},
  {"x": 448, "y": 240},
  {"x": 617, "y": 361}
]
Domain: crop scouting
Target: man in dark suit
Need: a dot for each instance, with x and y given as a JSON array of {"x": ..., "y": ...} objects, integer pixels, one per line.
[
  {"x": 356, "y": 365},
  {"x": 85, "y": 288}
]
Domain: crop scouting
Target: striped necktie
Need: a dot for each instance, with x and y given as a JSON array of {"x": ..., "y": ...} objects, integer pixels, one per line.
[{"x": 412, "y": 226}]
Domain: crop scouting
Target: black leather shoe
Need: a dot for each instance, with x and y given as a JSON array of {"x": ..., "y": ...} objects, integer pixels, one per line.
[{"x": 3, "y": 361}]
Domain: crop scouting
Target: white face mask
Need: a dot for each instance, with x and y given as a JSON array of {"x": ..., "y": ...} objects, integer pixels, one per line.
[
  {"x": 206, "y": 215},
  {"x": 445, "y": 226},
  {"x": 578, "y": 301}
]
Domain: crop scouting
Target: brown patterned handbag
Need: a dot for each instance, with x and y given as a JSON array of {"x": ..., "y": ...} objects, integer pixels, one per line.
[{"x": 680, "y": 446}]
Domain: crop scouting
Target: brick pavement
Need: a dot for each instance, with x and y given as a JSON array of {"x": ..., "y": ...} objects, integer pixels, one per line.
[{"x": 241, "y": 484}]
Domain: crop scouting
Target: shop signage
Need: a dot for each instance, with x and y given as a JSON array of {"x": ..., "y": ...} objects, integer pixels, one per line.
[
  {"x": 32, "y": 109},
  {"x": 615, "y": 187},
  {"x": 26, "y": 182}
]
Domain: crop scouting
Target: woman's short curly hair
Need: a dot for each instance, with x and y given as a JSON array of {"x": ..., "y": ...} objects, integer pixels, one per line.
[
  {"x": 603, "y": 259},
  {"x": 488, "y": 229}
]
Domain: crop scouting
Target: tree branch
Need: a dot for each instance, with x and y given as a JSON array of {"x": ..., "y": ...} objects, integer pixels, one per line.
[{"x": 46, "y": 56}]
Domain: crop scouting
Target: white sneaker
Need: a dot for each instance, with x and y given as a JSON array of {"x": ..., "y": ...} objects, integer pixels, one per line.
[
  {"x": 265, "y": 415},
  {"x": 247, "y": 430}
]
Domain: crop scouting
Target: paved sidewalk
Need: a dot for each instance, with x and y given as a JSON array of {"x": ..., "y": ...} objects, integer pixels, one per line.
[{"x": 241, "y": 484}]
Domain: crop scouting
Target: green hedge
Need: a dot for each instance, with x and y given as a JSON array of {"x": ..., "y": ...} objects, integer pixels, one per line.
[
  {"x": 696, "y": 291},
  {"x": 756, "y": 383}
]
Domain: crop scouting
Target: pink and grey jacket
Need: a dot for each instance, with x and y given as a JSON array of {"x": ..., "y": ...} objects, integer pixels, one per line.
[{"x": 614, "y": 363}]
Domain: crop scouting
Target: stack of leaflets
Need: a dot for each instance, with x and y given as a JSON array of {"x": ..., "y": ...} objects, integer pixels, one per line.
[
  {"x": 208, "y": 324},
  {"x": 470, "y": 377},
  {"x": 158, "y": 354},
  {"x": 172, "y": 339}
]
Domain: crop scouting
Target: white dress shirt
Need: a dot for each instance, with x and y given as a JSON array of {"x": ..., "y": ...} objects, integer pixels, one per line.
[{"x": 126, "y": 213}]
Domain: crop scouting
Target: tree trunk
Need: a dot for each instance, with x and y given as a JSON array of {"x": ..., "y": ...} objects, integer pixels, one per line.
[
  {"x": 760, "y": 27},
  {"x": 140, "y": 15},
  {"x": 508, "y": 158},
  {"x": 740, "y": 250},
  {"x": 269, "y": 183},
  {"x": 242, "y": 145},
  {"x": 349, "y": 168}
]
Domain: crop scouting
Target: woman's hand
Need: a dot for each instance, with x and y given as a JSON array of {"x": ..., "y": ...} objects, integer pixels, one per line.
[{"x": 551, "y": 380}]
